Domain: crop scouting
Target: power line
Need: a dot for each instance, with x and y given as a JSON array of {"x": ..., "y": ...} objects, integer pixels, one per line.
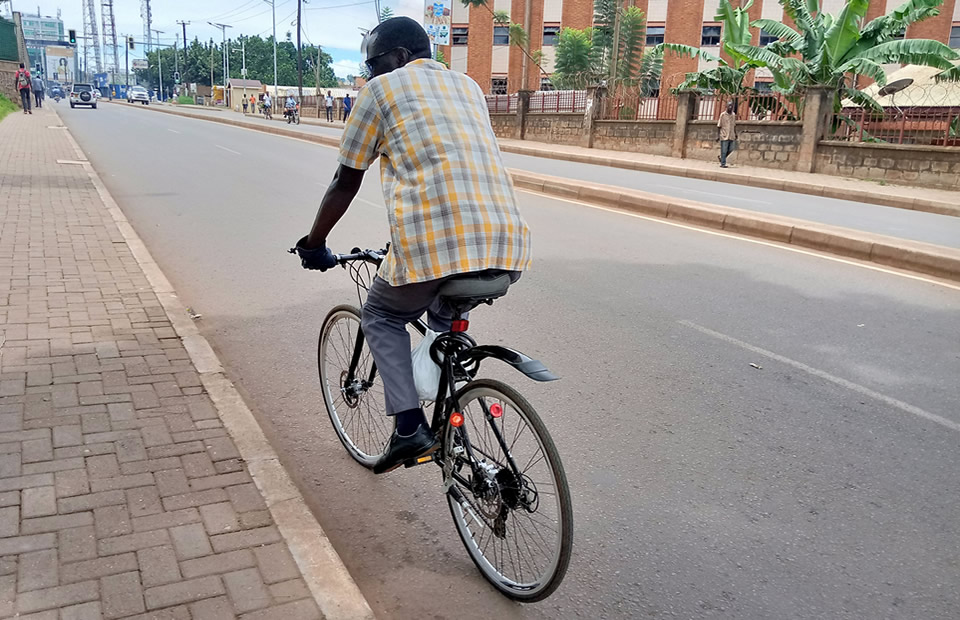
[
  {"x": 340, "y": 6},
  {"x": 235, "y": 10}
]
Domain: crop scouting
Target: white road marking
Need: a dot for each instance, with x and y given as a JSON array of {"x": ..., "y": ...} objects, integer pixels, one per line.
[
  {"x": 850, "y": 385},
  {"x": 227, "y": 150},
  {"x": 714, "y": 194},
  {"x": 172, "y": 130},
  {"x": 769, "y": 244}
]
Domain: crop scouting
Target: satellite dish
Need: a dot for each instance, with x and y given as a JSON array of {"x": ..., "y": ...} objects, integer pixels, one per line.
[{"x": 895, "y": 87}]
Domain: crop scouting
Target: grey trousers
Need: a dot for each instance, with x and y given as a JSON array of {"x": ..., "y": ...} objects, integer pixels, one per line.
[
  {"x": 384, "y": 318},
  {"x": 726, "y": 147}
]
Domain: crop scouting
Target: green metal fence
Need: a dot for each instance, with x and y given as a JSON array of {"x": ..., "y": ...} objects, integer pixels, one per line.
[{"x": 8, "y": 41}]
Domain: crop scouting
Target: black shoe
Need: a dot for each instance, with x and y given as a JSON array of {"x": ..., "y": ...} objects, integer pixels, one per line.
[{"x": 402, "y": 449}]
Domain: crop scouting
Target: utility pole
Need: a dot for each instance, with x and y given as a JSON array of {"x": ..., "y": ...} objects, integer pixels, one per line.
[
  {"x": 299, "y": 55},
  {"x": 159, "y": 63},
  {"x": 273, "y": 3},
  {"x": 226, "y": 60},
  {"x": 243, "y": 68},
  {"x": 184, "y": 24},
  {"x": 176, "y": 64},
  {"x": 211, "y": 68},
  {"x": 126, "y": 49}
]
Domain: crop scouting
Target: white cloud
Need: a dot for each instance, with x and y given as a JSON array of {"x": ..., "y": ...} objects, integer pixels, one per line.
[{"x": 343, "y": 68}]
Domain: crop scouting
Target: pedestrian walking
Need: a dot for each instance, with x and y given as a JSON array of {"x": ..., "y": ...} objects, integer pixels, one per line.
[
  {"x": 329, "y": 102},
  {"x": 253, "y": 104},
  {"x": 347, "y": 106},
  {"x": 36, "y": 83},
  {"x": 727, "y": 133},
  {"x": 21, "y": 81}
]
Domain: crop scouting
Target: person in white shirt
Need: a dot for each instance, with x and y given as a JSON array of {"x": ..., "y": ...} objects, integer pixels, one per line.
[
  {"x": 267, "y": 105},
  {"x": 329, "y": 102}
]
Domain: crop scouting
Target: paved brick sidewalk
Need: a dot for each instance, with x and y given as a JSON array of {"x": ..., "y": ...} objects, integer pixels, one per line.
[{"x": 121, "y": 494}]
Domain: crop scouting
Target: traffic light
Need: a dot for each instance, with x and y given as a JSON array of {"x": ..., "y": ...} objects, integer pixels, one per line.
[
  {"x": 73, "y": 37},
  {"x": 176, "y": 77},
  {"x": 130, "y": 42}
]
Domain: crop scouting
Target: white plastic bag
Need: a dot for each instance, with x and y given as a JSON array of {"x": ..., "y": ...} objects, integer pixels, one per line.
[{"x": 426, "y": 373}]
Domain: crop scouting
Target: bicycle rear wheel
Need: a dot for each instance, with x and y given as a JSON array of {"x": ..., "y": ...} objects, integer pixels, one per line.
[
  {"x": 518, "y": 529},
  {"x": 356, "y": 408}
]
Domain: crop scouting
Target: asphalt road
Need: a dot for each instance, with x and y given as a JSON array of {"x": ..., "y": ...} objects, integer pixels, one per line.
[
  {"x": 915, "y": 225},
  {"x": 820, "y": 485}
]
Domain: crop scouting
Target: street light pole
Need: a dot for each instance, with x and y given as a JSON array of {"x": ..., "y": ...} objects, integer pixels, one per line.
[
  {"x": 226, "y": 60},
  {"x": 299, "y": 55},
  {"x": 159, "y": 63},
  {"x": 273, "y": 4},
  {"x": 243, "y": 68}
]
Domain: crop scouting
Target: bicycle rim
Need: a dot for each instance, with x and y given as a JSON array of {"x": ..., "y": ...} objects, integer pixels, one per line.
[
  {"x": 521, "y": 547},
  {"x": 357, "y": 414}
]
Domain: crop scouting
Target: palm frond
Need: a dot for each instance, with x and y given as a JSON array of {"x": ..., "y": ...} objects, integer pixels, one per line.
[
  {"x": 501, "y": 18},
  {"x": 867, "y": 67},
  {"x": 950, "y": 75},
  {"x": 860, "y": 98},
  {"x": 779, "y": 30},
  {"x": 913, "y": 52},
  {"x": 518, "y": 36},
  {"x": 687, "y": 51},
  {"x": 800, "y": 13}
]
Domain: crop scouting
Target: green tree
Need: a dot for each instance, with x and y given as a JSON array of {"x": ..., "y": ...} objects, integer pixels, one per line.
[
  {"x": 612, "y": 51},
  {"x": 727, "y": 76},
  {"x": 518, "y": 34}
]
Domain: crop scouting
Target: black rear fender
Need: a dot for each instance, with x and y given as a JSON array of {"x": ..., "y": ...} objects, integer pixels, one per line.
[{"x": 528, "y": 366}]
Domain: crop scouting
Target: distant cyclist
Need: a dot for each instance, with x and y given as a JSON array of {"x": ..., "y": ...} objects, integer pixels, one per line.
[
  {"x": 267, "y": 104},
  {"x": 450, "y": 205},
  {"x": 290, "y": 105}
]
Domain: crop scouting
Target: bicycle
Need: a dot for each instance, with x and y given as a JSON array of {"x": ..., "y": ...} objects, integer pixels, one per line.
[{"x": 509, "y": 498}]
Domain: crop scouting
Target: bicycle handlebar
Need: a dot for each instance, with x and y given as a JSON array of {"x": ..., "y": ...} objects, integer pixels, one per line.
[{"x": 372, "y": 256}]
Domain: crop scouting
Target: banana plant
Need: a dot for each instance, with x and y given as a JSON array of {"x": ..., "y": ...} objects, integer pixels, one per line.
[
  {"x": 727, "y": 76},
  {"x": 825, "y": 50},
  {"x": 517, "y": 33}
]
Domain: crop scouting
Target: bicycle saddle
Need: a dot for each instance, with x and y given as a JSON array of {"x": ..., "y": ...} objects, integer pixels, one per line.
[{"x": 476, "y": 287}]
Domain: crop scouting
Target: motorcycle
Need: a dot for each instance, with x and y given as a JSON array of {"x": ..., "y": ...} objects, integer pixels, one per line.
[{"x": 292, "y": 115}]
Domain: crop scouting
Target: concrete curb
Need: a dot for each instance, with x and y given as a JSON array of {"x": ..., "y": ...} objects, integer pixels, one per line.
[
  {"x": 331, "y": 585},
  {"x": 924, "y": 258},
  {"x": 935, "y": 260}
]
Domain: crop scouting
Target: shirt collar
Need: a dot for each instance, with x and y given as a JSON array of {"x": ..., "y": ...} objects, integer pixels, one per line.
[{"x": 427, "y": 63}]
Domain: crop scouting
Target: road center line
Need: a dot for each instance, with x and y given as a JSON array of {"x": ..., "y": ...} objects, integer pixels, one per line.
[
  {"x": 172, "y": 130},
  {"x": 850, "y": 385},
  {"x": 227, "y": 150}
]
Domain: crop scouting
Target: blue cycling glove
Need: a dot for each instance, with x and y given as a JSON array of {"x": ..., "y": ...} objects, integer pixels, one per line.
[{"x": 317, "y": 258}]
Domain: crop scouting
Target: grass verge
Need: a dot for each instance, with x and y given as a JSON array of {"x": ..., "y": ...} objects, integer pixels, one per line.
[{"x": 6, "y": 107}]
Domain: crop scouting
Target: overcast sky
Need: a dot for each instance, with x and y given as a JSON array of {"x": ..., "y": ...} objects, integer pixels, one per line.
[{"x": 333, "y": 24}]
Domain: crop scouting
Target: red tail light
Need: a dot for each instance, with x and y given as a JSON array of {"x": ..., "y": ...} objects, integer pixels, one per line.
[
  {"x": 496, "y": 410},
  {"x": 456, "y": 419},
  {"x": 460, "y": 326}
]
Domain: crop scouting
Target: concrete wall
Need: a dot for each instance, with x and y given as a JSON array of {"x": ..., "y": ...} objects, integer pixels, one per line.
[
  {"x": 555, "y": 128},
  {"x": 901, "y": 164},
  {"x": 505, "y": 125},
  {"x": 655, "y": 136},
  {"x": 767, "y": 144}
]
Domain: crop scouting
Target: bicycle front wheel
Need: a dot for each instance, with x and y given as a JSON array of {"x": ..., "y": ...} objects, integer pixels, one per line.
[
  {"x": 355, "y": 404},
  {"x": 510, "y": 501}
]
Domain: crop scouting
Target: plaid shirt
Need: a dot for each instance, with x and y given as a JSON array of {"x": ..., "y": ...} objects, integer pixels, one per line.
[{"x": 449, "y": 199}]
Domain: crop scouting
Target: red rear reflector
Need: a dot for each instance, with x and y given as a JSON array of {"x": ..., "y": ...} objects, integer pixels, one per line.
[
  {"x": 460, "y": 326},
  {"x": 456, "y": 419},
  {"x": 496, "y": 410}
]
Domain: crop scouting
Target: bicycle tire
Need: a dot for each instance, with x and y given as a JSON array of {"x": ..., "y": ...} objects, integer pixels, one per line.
[
  {"x": 375, "y": 421},
  {"x": 506, "y": 586}
]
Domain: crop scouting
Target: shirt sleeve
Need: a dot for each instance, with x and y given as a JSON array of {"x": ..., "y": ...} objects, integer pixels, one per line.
[{"x": 362, "y": 137}]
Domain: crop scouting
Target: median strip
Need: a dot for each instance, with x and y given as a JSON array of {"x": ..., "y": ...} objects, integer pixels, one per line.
[{"x": 926, "y": 258}]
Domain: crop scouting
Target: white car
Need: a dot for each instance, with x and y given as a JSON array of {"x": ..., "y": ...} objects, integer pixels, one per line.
[
  {"x": 83, "y": 94},
  {"x": 138, "y": 93}
]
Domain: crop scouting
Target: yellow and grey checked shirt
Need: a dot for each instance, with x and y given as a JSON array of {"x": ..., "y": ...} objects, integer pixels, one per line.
[{"x": 449, "y": 199}]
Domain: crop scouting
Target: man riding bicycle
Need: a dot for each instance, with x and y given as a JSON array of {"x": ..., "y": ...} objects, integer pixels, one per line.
[{"x": 450, "y": 205}]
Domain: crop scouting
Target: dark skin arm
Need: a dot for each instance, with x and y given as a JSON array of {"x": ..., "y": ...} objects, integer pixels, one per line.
[{"x": 342, "y": 191}]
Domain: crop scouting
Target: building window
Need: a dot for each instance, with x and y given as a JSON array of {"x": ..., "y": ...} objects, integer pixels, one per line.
[
  {"x": 900, "y": 35},
  {"x": 498, "y": 86},
  {"x": 545, "y": 84},
  {"x": 763, "y": 87},
  {"x": 655, "y": 34},
  {"x": 766, "y": 39},
  {"x": 710, "y": 36},
  {"x": 459, "y": 35},
  {"x": 501, "y": 35},
  {"x": 551, "y": 34},
  {"x": 955, "y": 37}
]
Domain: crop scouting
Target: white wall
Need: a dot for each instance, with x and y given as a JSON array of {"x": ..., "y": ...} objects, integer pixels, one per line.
[
  {"x": 501, "y": 59},
  {"x": 458, "y": 58},
  {"x": 553, "y": 10},
  {"x": 501, "y": 5},
  {"x": 708, "y": 64},
  {"x": 710, "y": 10},
  {"x": 549, "y": 57},
  {"x": 656, "y": 11},
  {"x": 771, "y": 9},
  {"x": 461, "y": 14},
  {"x": 833, "y": 7}
]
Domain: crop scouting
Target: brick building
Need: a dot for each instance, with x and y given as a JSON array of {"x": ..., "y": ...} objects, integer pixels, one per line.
[{"x": 482, "y": 50}]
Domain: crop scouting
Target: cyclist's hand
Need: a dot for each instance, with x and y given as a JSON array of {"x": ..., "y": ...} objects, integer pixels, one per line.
[{"x": 316, "y": 258}]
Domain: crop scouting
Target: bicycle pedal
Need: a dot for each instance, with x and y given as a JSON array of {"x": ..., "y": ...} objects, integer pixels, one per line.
[{"x": 418, "y": 461}]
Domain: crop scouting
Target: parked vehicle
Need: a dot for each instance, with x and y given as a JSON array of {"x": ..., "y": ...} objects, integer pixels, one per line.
[
  {"x": 83, "y": 94},
  {"x": 138, "y": 94}
]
